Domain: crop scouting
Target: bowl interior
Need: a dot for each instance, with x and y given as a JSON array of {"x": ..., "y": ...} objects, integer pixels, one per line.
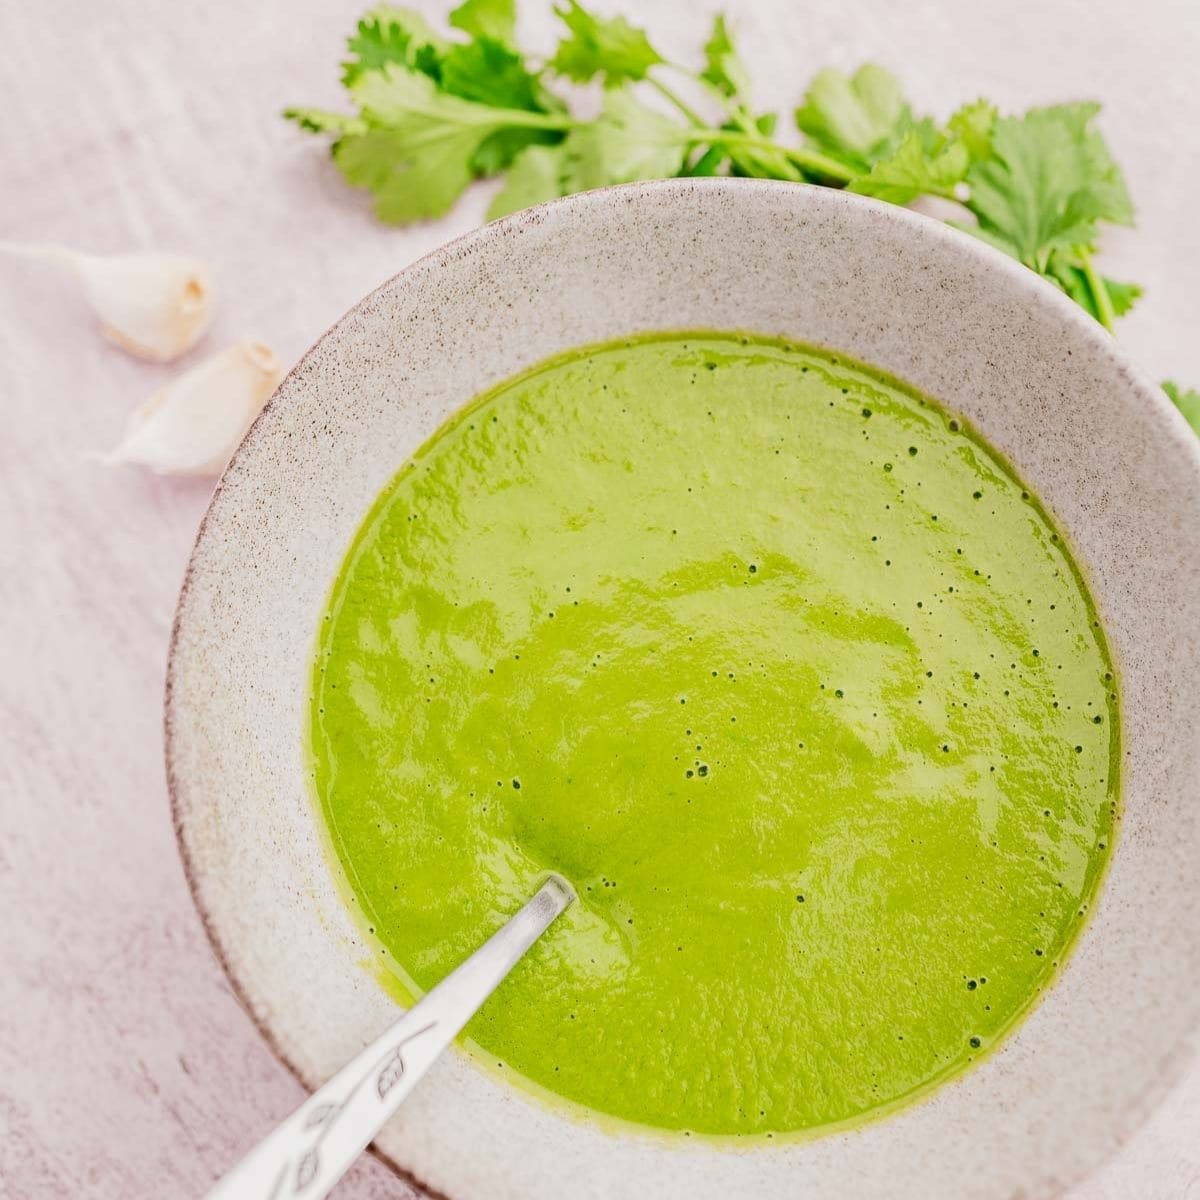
[{"x": 1102, "y": 448}]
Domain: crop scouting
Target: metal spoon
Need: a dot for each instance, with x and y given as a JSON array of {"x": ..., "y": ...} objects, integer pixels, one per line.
[{"x": 314, "y": 1147}]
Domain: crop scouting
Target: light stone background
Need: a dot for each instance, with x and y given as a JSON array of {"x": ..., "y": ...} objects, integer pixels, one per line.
[{"x": 127, "y": 1068}]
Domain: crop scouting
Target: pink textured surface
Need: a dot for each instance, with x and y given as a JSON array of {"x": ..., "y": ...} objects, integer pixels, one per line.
[{"x": 126, "y": 1066}]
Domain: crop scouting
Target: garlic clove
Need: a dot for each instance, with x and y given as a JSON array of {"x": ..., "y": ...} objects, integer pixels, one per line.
[
  {"x": 153, "y": 305},
  {"x": 194, "y": 424}
]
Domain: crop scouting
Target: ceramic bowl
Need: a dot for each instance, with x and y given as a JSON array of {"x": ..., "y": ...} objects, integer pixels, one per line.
[{"x": 1104, "y": 450}]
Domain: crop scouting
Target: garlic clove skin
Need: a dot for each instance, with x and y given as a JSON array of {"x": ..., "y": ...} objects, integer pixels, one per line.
[
  {"x": 155, "y": 306},
  {"x": 194, "y": 424}
]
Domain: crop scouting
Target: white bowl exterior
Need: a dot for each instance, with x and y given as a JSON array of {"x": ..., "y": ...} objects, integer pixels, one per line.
[{"x": 1103, "y": 450}]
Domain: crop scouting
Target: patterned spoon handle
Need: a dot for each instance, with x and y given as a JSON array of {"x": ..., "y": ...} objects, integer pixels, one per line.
[{"x": 310, "y": 1151}]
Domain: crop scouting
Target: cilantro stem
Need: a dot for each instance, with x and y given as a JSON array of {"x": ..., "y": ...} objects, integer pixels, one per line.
[
  {"x": 807, "y": 160},
  {"x": 737, "y": 114},
  {"x": 1105, "y": 313},
  {"x": 669, "y": 93}
]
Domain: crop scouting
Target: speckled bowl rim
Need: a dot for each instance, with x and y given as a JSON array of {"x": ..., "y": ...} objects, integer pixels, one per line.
[{"x": 1172, "y": 427}]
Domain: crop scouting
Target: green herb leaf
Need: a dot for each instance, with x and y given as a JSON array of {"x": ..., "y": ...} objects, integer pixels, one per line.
[
  {"x": 628, "y": 141},
  {"x": 383, "y": 162},
  {"x": 487, "y": 18},
  {"x": 723, "y": 69},
  {"x": 857, "y": 118},
  {"x": 487, "y": 72},
  {"x": 708, "y": 163},
  {"x": 398, "y": 97},
  {"x": 1123, "y": 295},
  {"x": 972, "y": 126},
  {"x": 912, "y": 170},
  {"x": 1048, "y": 180},
  {"x": 391, "y": 35},
  {"x": 601, "y": 46},
  {"x": 321, "y": 120},
  {"x": 418, "y": 154},
  {"x": 763, "y": 161},
  {"x": 537, "y": 175},
  {"x": 1187, "y": 400},
  {"x": 1068, "y": 272}
]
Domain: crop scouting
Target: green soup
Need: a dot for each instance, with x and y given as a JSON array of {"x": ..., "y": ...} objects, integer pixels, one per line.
[{"x": 780, "y": 666}]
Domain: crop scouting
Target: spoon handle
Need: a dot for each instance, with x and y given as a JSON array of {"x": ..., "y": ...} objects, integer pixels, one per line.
[{"x": 310, "y": 1151}]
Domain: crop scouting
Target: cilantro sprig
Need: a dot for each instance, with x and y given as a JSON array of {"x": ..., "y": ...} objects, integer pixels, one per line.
[{"x": 435, "y": 111}]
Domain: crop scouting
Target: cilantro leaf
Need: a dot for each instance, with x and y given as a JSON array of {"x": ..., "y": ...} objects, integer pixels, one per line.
[
  {"x": 972, "y": 126},
  {"x": 406, "y": 188},
  {"x": 418, "y": 154},
  {"x": 1123, "y": 295},
  {"x": 1047, "y": 181},
  {"x": 607, "y": 46},
  {"x": 764, "y": 161},
  {"x": 391, "y": 35},
  {"x": 628, "y": 141},
  {"x": 857, "y": 118},
  {"x": 487, "y": 18},
  {"x": 537, "y": 175},
  {"x": 723, "y": 69},
  {"x": 1187, "y": 400},
  {"x": 1068, "y": 271},
  {"x": 912, "y": 171},
  {"x": 487, "y": 72},
  {"x": 396, "y": 97},
  {"x": 321, "y": 120},
  {"x": 707, "y": 163}
]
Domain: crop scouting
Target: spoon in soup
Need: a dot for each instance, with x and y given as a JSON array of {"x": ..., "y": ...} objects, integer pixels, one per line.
[{"x": 314, "y": 1147}]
